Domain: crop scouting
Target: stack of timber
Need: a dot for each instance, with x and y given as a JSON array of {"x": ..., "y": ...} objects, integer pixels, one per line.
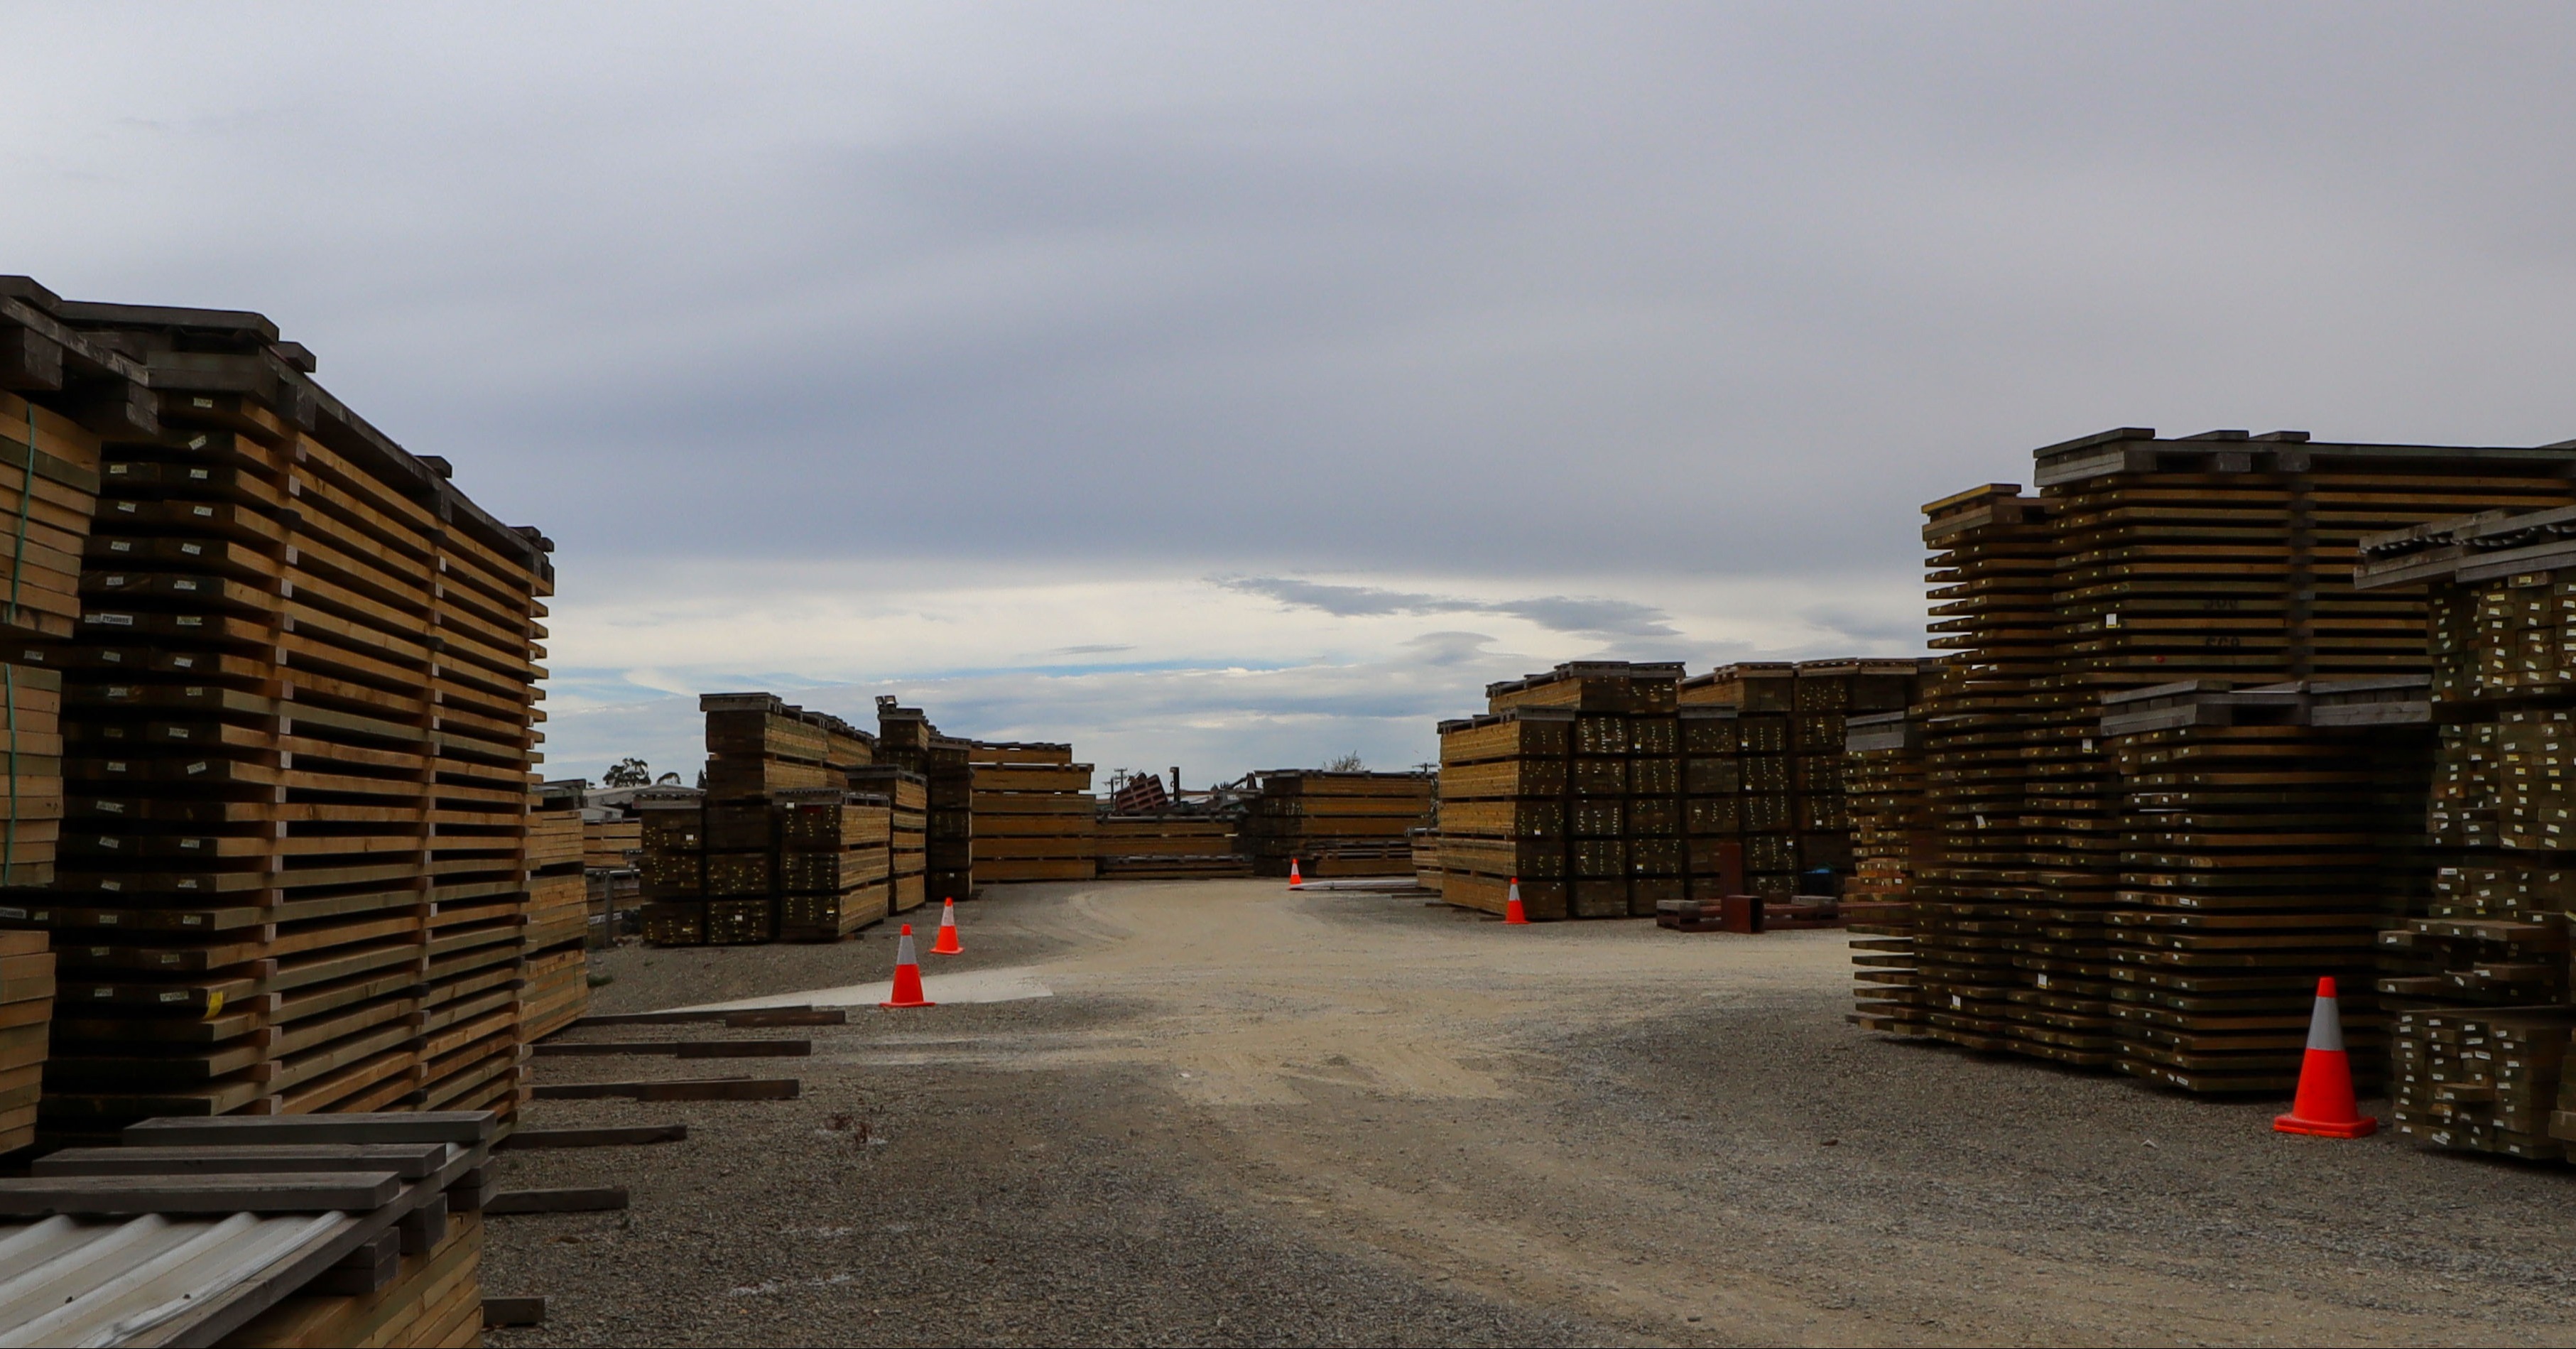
[
  {"x": 758, "y": 745},
  {"x": 26, "y": 1013},
  {"x": 906, "y": 739},
  {"x": 1336, "y": 824},
  {"x": 298, "y": 713},
  {"x": 1749, "y": 914},
  {"x": 1892, "y": 836},
  {"x": 836, "y": 862},
  {"x": 2263, "y": 828},
  {"x": 1426, "y": 860},
  {"x": 557, "y": 936},
  {"x": 2479, "y": 974},
  {"x": 1035, "y": 817},
  {"x": 1169, "y": 848},
  {"x": 1793, "y": 820},
  {"x": 350, "y": 1229},
  {"x": 1992, "y": 576},
  {"x": 1503, "y": 803},
  {"x": 673, "y": 866},
  {"x": 610, "y": 844},
  {"x": 907, "y": 794},
  {"x": 2222, "y": 556}
]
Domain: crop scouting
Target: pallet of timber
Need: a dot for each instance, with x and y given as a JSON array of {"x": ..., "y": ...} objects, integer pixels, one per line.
[
  {"x": 556, "y": 935},
  {"x": 907, "y": 796},
  {"x": 298, "y": 719},
  {"x": 1892, "y": 836},
  {"x": 1426, "y": 859},
  {"x": 611, "y": 845},
  {"x": 758, "y": 744},
  {"x": 1035, "y": 817},
  {"x": 26, "y": 1014},
  {"x": 1168, "y": 847},
  {"x": 675, "y": 922},
  {"x": 2481, "y": 1079},
  {"x": 1308, "y": 813},
  {"x": 836, "y": 863}
]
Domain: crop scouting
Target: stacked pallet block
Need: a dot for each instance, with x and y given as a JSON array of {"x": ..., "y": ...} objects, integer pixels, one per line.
[
  {"x": 557, "y": 935},
  {"x": 1426, "y": 860},
  {"x": 2222, "y": 556},
  {"x": 1763, "y": 696},
  {"x": 1035, "y": 817},
  {"x": 1169, "y": 847},
  {"x": 672, "y": 869},
  {"x": 2262, "y": 828},
  {"x": 1335, "y": 824},
  {"x": 26, "y": 1014},
  {"x": 1792, "y": 817},
  {"x": 835, "y": 864},
  {"x": 759, "y": 745},
  {"x": 1892, "y": 836},
  {"x": 907, "y": 795},
  {"x": 2478, "y": 974},
  {"x": 299, "y": 715},
  {"x": 1503, "y": 809},
  {"x": 906, "y": 739},
  {"x": 611, "y": 844}
]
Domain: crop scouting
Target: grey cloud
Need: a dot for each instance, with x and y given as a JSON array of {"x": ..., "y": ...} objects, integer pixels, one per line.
[
  {"x": 1556, "y": 613},
  {"x": 1090, "y": 650}
]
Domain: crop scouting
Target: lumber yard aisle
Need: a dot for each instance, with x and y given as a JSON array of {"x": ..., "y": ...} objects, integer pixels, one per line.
[{"x": 1246, "y": 1116}]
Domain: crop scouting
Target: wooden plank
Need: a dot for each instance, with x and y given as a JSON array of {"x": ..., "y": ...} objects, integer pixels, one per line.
[
  {"x": 245, "y": 1192},
  {"x": 686, "y": 1049},
  {"x": 675, "y": 1089},
  {"x": 499, "y": 1312},
  {"x": 571, "y": 1199},
  {"x": 611, "y": 1136},
  {"x": 411, "y": 1161},
  {"x": 425, "y": 1126}
]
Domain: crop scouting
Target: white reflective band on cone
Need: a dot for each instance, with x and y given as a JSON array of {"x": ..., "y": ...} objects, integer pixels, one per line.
[
  {"x": 2325, "y": 1027},
  {"x": 903, "y": 954}
]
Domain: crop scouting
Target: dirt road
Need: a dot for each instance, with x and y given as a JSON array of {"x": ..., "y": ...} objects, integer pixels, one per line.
[{"x": 1240, "y": 1116}]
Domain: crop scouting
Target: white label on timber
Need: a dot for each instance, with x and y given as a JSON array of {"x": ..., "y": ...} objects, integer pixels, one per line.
[
  {"x": 116, "y": 765},
  {"x": 191, "y": 621},
  {"x": 109, "y": 843},
  {"x": 188, "y": 885},
  {"x": 113, "y": 620},
  {"x": 107, "y": 920},
  {"x": 196, "y": 768},
  {"x": 120, "y": 691},
  {"x": 196, "y": 690},
  {"x": 174, "y": 995},
  {"x": 206, "y": 511},
  {"x": 120, "y": 546},
  {"x": 199, "y": 474},
  {"x": 183, "y": 662},
  {"x": 191, "y": 920},
  {"x": 110, "y": 807},
  {"x": 200, "y": 442},
  {"x": 178, "y": 732},
  {"x": 102, "y": 993},
  {"x": 192, "y": 549},
  {"x": 190, "y": 843},
  {"x": 127, "y": 506},
  {"x": 111, "y": 885},
  {"x": 183, "y": 584}
]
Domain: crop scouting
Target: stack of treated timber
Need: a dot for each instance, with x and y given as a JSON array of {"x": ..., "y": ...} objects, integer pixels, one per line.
[
  {"x": 26, "y": 1011},
  {"x": 907, "y": 795},
  {"x": 742, "y": 869},
  {"x": 1426, "y": 860},
  {"x": 1764, "y": 696},
  {"x": 1503, "y": 789},
  {"x": 1712, "y": 742},
  {"x": 759, "y": 745},
  {"x": 906, "y": 739},
  {"x": 1035, "y": 818},
  {"x": 558, "y": 927},
  {"x": 835, "y": 864},
  {"x": 1892, "y": 835},
  {"x": 673, "y": 865},
  {"x": 2263, "y": 829},
  {"x": 1336, "y": 824},
  {"x": 299, "y": 711},
  {"x": 611, "y": 844},
  {"x": 2478, "y": 973},
  {"x": 1169, "y": 847}
]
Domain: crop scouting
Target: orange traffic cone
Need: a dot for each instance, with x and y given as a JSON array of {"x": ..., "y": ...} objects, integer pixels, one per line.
[
  {"x": 907, "y": 975},
  {"x": 2325, "y": 1107},
  {"x": 1295, "y": 881},
  {"x": 1513, "y": 914},
  {"x": 947, "y": 943}
]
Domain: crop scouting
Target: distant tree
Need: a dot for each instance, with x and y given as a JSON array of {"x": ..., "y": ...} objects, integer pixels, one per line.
[
  {"x": 667, "y": 780},
  {"x": 629, "y": 772},
  {"x": 1345, "y": 763}
]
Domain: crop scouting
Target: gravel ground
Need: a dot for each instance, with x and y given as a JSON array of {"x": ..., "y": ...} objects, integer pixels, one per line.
[{"x": 1337, "y": 1118}]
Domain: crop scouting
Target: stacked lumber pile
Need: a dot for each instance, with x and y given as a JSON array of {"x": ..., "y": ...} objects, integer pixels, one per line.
[
  {"x": 2268, "y": 836},
  {"x": 672, "y": 870},
  {"x": 1503, "y": 789},
  {"x": 1749, "y": 914},
  {"x": 759, "y": 745},
  {"x": 1169, "y": 847},
  {"x": 351, "y": 1229},
  {"x": 835, "y": 864},
  {"x": 906, "y": 739},
  {"x": 610, "y": 894},
  {"x": 26, "y": 1016},
  {"x": 1335, "y": 824},
  {"x": 1426, "y": 860},
  {"x": 2147, "y": 561},
  {"x": 298, "y": 714},
  {"x": 1893, "y": 835},
  {"x": 557, "y": 935},
  {"x": 1792, "y": 817},
  {"x": 2478, "y": 970},
  {"x": 907, "y": 795},
  {"x": 611, "y": 844},
  {"x": 1035, "y": 818}
]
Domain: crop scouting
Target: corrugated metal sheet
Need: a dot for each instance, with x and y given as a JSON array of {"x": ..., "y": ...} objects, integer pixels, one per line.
[{"x": 107, "y": 1281}]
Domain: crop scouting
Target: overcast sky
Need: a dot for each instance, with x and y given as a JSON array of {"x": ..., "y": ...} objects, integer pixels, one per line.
[{"x": 1234, "y": 386}]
